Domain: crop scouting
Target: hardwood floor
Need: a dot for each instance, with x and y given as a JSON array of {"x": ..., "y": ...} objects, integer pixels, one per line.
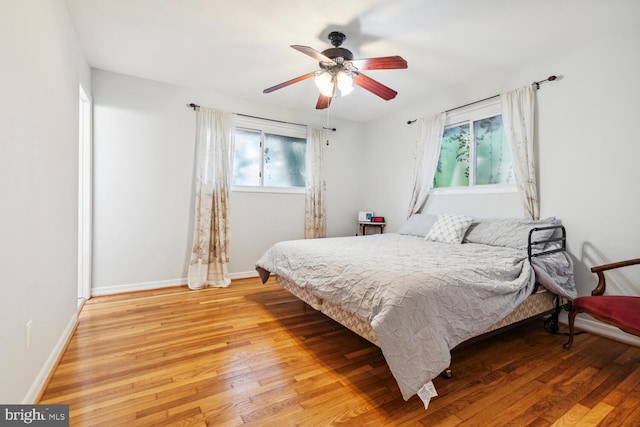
[{"x": 253, "y": 354}]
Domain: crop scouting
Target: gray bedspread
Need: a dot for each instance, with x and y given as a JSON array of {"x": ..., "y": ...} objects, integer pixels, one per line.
[{"x": 421, "y": 298}]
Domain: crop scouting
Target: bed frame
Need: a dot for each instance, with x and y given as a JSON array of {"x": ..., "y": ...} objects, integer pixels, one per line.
[{"x": 540, "y": 303}]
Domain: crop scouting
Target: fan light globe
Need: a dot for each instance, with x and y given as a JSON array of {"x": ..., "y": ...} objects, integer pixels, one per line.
[
  {"x": 324, "y": 82},
  {"x": 345, "y": 83}
]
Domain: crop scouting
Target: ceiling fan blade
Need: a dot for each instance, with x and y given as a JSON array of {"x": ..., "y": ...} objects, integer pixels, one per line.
[
  {"x": 289, "y": 82},
  {"x": 374, "y": 87},
  {"x": 312, "y": 53},
  {"x": 381, "y": 63},
  {"x": 323, "y": 102}
]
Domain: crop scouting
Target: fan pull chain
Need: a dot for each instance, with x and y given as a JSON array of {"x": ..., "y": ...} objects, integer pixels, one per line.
[{"x": 328, "y": 127}]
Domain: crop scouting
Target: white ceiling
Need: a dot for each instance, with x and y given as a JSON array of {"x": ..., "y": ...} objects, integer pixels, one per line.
[{"x": 240, "y": 47}]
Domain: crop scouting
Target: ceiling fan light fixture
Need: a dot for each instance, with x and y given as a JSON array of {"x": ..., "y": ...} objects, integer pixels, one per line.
[
  {"x": 340, "y": 71},
  {"x": 324, "y": 82}
]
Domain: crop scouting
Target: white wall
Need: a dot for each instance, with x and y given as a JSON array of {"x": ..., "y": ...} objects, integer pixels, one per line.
[
  {"x": 42, "y": 68},
  {"x": 143, "y": 157},
  {"x": 144, "y": 148},
  {"x": 588, "y": 149}
]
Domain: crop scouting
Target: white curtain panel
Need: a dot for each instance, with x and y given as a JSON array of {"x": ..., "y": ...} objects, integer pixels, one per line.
[
  {"x": 314, "y": 209},
  {"x": 426, "y": 158},
  {"x": 209, "y": 259},
  {"x": 518, "y": 116}
]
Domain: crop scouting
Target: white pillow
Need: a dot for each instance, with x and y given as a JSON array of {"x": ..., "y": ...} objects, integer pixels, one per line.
[
  {"x": 509, "y": 232},
  {"x": 449, "y": 228},
  {"x": 418, "y": 225}
]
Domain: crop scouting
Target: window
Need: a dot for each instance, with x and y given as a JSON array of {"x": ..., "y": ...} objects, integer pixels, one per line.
[
  {"x": 268, "y": 156},
  {"x": 474, "y": 150}
]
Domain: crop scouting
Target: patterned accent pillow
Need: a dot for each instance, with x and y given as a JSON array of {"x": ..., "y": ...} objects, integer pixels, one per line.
[{"x": 449, "y": 228}]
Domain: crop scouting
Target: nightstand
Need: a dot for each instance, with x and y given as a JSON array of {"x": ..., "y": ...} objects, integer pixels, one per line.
[{"x": 363, "y": 225}]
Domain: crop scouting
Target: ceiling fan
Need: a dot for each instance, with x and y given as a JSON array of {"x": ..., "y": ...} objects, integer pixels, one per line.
[{"x": 339, "y": 71}]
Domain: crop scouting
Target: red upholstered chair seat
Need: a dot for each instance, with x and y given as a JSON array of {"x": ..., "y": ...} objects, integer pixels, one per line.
[{"x": 622, "y": 311}]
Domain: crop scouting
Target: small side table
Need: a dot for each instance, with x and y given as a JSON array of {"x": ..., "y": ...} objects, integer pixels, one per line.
[{"x": 363, "y": 225}]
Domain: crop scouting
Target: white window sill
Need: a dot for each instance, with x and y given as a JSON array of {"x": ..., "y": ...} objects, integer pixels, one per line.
[
  {"x": 282, "y": 190},
  {"x": 476, "y": 189}
]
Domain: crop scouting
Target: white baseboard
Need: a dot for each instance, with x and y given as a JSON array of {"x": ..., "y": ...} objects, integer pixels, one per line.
[
  {"x": 145, "y": 286},
  {"x": 50, "y": 364},
  {"x": 132, "y": 287},
  {"x": 244, "y": 274},
  {"x": 589, "y": 324}
]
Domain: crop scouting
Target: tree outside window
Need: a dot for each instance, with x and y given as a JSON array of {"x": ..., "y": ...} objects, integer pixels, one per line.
[{"x": 474, "y": 152}]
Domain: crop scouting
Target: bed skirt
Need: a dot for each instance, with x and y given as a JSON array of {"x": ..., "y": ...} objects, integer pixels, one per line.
[{"x": 535, "y": 305}]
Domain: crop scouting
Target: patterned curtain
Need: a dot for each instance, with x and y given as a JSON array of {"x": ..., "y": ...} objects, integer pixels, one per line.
[
  {"x": 314, "y": 210},
  {"x": 209, "y": 259},
  {"x": 426, "y": 159},
  {"x": 518, "y": 116}
]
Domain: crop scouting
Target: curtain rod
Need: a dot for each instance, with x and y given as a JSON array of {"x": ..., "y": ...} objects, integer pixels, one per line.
[
  {"x": 536, "y": 84},
  {"x": 196, "y": 106}
]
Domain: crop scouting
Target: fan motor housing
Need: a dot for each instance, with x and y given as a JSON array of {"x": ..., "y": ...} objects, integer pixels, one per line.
[{"x": 338, "y": 52}]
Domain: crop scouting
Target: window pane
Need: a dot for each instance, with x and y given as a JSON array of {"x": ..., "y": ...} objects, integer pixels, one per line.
[
  {"x": 284, "y": 161},
  {"x": 453, "y": 165},
  {"x": 246, "y": 158},
  {"x": 493, "y": 155}
]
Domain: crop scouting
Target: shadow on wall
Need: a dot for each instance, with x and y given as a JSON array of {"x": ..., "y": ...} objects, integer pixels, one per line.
[{"x": 618, "y": 281}]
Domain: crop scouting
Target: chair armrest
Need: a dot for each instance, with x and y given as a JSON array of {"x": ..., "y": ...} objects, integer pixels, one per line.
[{"x": 600, "y": 269}]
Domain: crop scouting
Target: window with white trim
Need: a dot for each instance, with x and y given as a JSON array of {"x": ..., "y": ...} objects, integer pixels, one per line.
[
  {"x": 268, "y": 155},
  {"x": 474, "y": 150}
]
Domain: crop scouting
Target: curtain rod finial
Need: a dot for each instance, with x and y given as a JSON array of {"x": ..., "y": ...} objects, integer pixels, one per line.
[{"x": 548, "y": 79}]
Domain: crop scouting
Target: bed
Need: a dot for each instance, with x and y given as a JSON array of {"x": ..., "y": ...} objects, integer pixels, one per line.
[{"x": 436, "y": 283}]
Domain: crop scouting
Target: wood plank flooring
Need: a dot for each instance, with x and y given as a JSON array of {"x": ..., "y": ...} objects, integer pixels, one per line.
[{"x": 253, "y": 354}]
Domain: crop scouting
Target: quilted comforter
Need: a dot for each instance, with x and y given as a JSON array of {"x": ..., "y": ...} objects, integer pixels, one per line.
[{"x": 421, "y": 298}]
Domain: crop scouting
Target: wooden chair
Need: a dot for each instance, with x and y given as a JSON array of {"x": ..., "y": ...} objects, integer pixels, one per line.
[{"x": 618, "y": 310}]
